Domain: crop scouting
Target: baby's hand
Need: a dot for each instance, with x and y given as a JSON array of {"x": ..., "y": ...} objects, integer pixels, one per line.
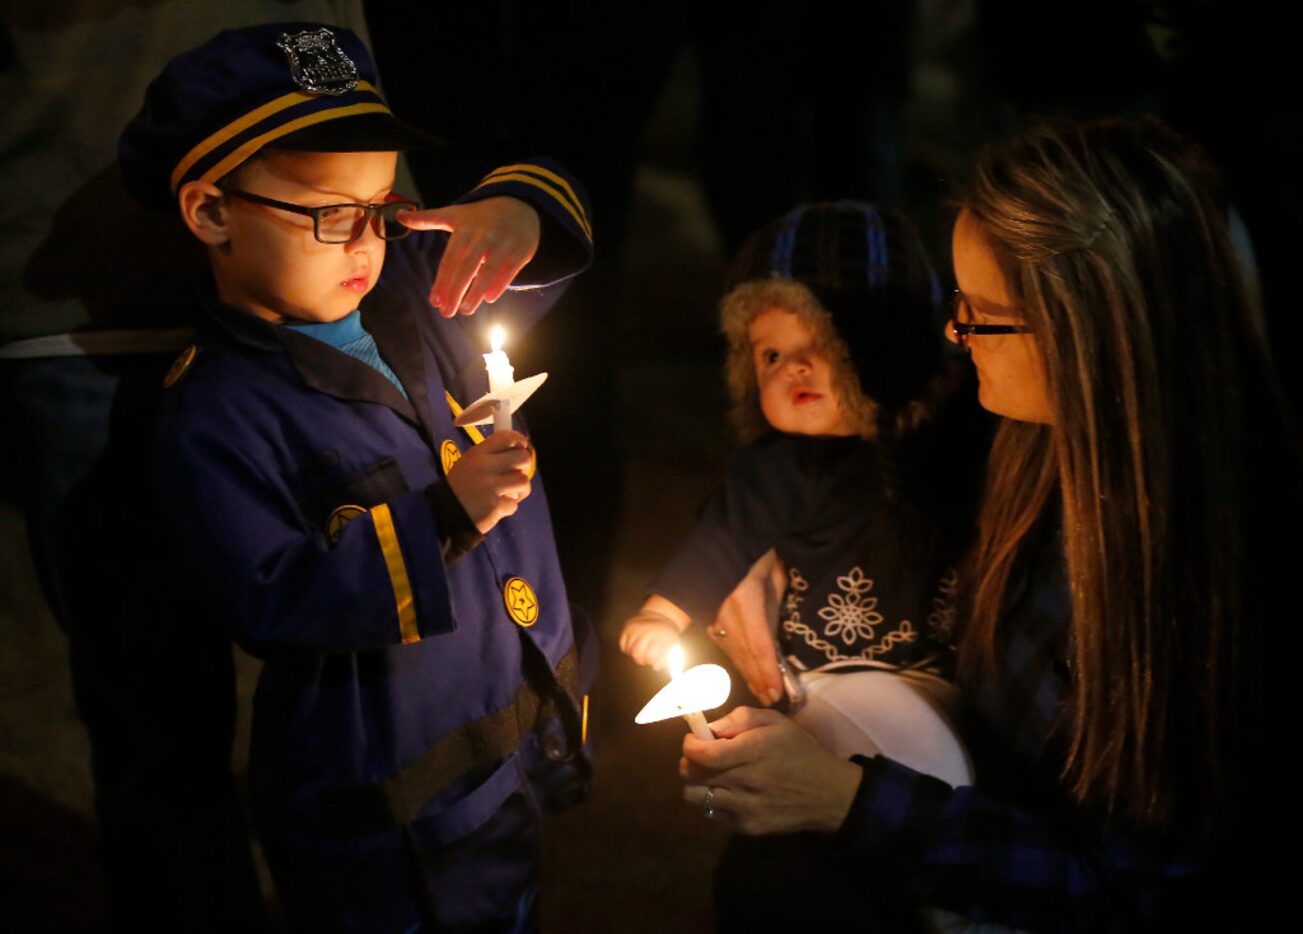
[
  {"x": 649, "y": 635},
  {"x": 491, "y": 478}
]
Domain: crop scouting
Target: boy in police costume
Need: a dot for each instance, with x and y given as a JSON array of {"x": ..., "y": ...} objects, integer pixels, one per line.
[{"x": 422, "y": 697}]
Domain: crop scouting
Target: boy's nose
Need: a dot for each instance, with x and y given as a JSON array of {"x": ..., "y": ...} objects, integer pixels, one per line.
[{"x": 365, "y": 238}]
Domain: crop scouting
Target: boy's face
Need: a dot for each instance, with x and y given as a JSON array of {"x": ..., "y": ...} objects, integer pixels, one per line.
[
  {"x": 272, "y": 265},
  {"x": 794, "y": 377}
]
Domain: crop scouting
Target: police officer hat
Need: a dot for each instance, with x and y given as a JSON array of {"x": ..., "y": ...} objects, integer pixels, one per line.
[{"x": 299, "y": 86}]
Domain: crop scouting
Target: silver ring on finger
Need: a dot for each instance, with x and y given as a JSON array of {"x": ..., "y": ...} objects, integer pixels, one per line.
[{"x": 708, "y": 804}]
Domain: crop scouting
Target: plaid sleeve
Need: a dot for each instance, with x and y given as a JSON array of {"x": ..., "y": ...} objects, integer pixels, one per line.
[{"x": 993, "y": 862}]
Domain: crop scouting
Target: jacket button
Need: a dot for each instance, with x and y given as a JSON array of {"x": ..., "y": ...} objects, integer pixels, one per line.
[
  {"x": 521, "y": 601},
  {"x": 449, "y": 454}
]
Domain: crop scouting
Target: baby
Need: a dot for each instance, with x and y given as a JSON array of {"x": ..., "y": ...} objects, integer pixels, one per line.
[{"x": 862, "y": 455}]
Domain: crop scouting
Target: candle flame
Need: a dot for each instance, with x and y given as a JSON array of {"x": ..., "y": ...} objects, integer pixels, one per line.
[
  {"x": 496, "y": 338},
  {"x": 674, "y": 660}
]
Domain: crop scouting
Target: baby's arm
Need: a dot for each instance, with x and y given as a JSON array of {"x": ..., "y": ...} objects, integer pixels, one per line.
[
  {"x": 739, "y": 524},
  {"x": 653, "y": 631}
]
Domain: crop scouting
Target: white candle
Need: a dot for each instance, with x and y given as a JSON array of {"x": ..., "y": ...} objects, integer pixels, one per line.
[
  {"x": 696, "y": 721},
  {"x": 501, "y": 379}
]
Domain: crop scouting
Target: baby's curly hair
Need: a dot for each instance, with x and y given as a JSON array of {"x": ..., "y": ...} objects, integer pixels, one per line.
[
  {"x": 747, "y": 302},
  {"x": 860, "y": 282}
]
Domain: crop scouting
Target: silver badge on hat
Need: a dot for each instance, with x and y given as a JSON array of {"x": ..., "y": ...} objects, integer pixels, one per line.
[{"x": 317, "y": 64}]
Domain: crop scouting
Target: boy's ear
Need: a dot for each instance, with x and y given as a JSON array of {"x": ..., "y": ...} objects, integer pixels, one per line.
[{"x": 203, "y": 208}]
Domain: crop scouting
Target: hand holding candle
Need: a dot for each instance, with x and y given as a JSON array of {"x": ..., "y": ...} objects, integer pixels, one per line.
[{"x": 702, "y": 687}]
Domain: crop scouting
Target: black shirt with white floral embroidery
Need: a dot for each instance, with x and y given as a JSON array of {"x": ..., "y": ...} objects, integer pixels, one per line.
[{"x": 869, "y": 557}]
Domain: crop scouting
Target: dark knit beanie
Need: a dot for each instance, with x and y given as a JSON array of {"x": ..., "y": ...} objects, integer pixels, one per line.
[{"x": 868, "y": 269}]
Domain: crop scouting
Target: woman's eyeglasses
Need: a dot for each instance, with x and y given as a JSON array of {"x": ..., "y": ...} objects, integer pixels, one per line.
[
  {"x": 343, "y": 223},
  {"x": 961, "y": 322}
]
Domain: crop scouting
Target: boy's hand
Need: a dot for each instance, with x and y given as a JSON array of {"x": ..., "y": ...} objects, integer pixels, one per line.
[
  {"x": 656, "y": 628},
  {"x": 490, "y": 479},
  {"x": 492, "y": 240}
]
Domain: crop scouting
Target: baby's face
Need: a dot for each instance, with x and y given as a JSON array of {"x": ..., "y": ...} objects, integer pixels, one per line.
[
  {"x": 795, "y": 377},
  {"x": 273, "y": 266}
]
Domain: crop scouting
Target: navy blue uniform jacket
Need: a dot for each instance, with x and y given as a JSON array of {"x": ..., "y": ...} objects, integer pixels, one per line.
[{"x": 412, "y": 718}]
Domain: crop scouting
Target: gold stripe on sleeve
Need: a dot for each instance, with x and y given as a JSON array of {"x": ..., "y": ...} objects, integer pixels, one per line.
[
  {"x": 542, "y": 173},
  {"x": 236, "y": 127},
  {"x": 393, "y": 554},
  {"x": 571, "y": 209}
]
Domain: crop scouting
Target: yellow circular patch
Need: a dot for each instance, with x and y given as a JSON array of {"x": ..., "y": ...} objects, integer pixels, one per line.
[
  {"x": 450, "y": 454},
  {"x": 179, "y": 366},
  {"x": 533, "y": 462},
  {"x": 341, "y": 517},
  {"x": 521, "y": 601}
]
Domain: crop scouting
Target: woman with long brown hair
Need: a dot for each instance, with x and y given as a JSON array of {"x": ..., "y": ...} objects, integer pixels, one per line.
[{"x": 1125, "y": 576}]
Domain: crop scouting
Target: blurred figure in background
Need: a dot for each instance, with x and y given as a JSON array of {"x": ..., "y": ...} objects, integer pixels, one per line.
[{"x": 93, "y": 287}]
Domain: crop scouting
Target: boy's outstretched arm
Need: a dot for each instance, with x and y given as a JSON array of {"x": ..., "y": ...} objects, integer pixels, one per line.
[
  {"x": 489, "y": 243},
  {"x": 650, "y": 633},
  {"x": 524, "y": 226}
]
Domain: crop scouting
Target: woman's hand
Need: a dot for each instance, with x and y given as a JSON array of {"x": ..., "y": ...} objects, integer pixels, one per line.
[
  {"x": 490, "y": 242},
  {"x": 746, "y": 624},
  {"x": 767, "y": 775}
]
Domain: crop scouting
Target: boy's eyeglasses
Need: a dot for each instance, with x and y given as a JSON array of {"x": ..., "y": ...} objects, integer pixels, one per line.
[
  {"x": 343, "y": 223},
  {"x": 961, "y": 322}
]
